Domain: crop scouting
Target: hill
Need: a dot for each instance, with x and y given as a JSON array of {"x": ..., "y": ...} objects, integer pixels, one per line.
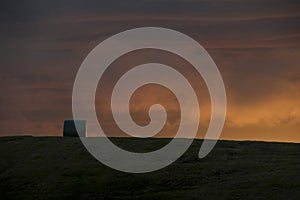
[{"x": 61, "y": 168}]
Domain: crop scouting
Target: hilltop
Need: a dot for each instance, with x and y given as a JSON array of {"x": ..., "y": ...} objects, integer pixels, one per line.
[{"x": 61, "y": 168}]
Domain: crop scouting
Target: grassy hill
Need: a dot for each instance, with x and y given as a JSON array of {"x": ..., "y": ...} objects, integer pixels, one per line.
[{"x": 61, "y": 168}]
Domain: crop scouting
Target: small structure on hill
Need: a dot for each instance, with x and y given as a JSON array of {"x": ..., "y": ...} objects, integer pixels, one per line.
[{"x": 70, "y": 130}]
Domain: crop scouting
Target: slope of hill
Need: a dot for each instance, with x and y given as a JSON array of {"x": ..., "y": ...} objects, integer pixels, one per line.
[{"x": 61, "y": 168}]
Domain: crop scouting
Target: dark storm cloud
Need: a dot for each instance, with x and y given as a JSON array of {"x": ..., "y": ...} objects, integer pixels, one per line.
[
  {"x": 255, "y": 44},
  {"x": 35, "y": 10}
]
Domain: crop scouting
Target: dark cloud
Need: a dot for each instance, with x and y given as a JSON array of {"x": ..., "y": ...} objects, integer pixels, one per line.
[{"x": 255, "y": 44}]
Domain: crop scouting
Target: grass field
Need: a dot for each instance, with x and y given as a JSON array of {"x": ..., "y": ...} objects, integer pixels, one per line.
[{"x": 61, "y": 168}]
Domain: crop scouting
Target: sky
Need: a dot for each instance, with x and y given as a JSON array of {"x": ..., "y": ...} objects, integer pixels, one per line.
[{"x": 255, "y": 44}]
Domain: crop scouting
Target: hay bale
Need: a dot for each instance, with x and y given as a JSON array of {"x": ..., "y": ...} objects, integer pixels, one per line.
[{"x": 70, "y": 128}]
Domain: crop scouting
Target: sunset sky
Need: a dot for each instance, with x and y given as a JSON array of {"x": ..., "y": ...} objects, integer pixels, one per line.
[{"x": 255, "y": 44}]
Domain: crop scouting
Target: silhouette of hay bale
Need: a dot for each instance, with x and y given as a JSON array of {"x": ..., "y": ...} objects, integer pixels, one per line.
[{"x": 70, "y": 128}]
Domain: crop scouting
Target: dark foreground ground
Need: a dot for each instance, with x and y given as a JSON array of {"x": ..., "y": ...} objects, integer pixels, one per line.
[{"x": 61, "y": 168}]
